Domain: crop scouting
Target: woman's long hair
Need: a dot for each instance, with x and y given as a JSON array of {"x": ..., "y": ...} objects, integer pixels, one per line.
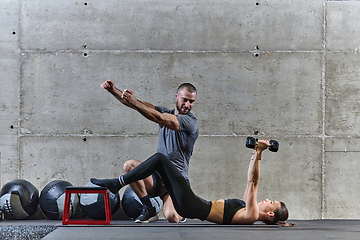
[{"x": 281, "y": 214}]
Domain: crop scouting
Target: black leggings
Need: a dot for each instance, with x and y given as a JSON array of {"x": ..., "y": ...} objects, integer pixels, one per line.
[{"x": 186, "y": 203}]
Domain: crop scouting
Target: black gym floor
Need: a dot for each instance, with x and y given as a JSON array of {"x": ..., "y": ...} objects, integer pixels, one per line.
[{"x": 192, "y": 229}]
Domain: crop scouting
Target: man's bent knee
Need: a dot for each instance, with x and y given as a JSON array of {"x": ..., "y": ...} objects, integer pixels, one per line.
[{"x": 130, "y": 165}]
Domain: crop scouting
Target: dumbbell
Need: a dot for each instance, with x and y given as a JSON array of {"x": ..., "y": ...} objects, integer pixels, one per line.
[{"x": 251, "y": 143}]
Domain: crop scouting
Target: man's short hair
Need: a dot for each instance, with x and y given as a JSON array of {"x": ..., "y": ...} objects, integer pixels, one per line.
[{"x": 191, "y": 88}]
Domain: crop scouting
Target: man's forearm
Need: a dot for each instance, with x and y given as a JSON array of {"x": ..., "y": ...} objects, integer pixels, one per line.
[
  {"x": 148, "y": 111},
  {"x": 147, "y": 104},
  {"x": 117, "y": 93}
]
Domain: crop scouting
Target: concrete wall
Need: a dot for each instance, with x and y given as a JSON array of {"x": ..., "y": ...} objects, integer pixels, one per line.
[{"x": 285, "y": 69}]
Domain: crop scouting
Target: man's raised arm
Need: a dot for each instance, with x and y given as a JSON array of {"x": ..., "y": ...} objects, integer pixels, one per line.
[
  {"x": 148, "y": 110},
  {"x": 118, "y": 94}
]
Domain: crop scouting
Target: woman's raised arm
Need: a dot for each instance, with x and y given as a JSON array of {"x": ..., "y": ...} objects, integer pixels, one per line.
[{"x": 253, "y": 177}]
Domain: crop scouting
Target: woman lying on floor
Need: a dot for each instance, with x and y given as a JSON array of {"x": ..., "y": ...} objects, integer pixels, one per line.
[{"x": 189, "y": 205}]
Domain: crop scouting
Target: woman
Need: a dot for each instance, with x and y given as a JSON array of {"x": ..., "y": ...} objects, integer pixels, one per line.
[{"x": 188, "y": 205}]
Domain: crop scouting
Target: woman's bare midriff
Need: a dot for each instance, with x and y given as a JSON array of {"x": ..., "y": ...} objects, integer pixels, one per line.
[{"x": 217, "y": 211}]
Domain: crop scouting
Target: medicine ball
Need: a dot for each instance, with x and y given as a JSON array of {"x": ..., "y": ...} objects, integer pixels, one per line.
[
  {"x": 133, "y": 206},
  {"x": 19, "y": 199},
  {"x": 93, "y": 205},
  {"x": 52, "y": 199}
]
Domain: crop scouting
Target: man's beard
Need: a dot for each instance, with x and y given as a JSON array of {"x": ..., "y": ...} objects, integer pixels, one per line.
[{"x": 179, "y": 109}]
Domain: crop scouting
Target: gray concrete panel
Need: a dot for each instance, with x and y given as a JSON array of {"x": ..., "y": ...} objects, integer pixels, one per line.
[
  {"x": 9, "y": 164},
  {"x": 9, "y": 115},
  {"x": 342, "y": 94},
  {"x": 251, "y": 94},
  {"x": 9, "y": 25},
  {"x": 342, "y": 178},
  {"x": 44, "y": 159},
  {"x": 9, "y": 92},
  {"x": 342, "y": 26},
  {"x": 62, "y": 91},
  {"x": 219, "y": 166},
  {"x": 172, "y": 25}
]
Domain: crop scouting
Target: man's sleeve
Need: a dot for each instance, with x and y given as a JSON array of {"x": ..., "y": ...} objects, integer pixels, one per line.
[
  {"x": 161, "y": 109},
  {"x": 187, "y": 123}
]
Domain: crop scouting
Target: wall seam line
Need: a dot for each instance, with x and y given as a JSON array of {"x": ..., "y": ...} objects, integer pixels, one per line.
[{"x": 323, "y": 138}]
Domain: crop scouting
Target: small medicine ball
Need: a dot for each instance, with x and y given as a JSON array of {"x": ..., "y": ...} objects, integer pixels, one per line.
[
  {"x": 93, "y": 205},
  {"x": 52, "y": 199},
  {"x": 133, "y": 206},
  {"x": 19, "y": 199}
]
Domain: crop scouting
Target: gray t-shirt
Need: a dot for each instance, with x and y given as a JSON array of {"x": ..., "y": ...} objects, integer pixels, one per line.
[{"x": 178, "y": 145}]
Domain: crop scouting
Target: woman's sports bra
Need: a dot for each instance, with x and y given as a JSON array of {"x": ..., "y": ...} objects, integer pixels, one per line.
[{"x": 230, "y": 208}]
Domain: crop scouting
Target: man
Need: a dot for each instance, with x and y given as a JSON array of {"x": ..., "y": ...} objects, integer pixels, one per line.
[{"x": 178, "y": 131}]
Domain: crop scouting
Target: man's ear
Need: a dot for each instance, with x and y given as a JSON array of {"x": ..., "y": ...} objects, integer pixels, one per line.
[{"x": 270, "y": 214}]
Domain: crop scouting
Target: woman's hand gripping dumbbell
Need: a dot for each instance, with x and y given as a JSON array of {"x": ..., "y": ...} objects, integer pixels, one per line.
[{"x": 251, "y": 143}]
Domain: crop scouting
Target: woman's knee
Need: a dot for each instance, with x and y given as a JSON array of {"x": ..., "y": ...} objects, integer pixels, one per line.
[
  {"x": 169, "y": 211},
  {"x": 161, "y": 156},
  {"x": 172, "y": 216}
]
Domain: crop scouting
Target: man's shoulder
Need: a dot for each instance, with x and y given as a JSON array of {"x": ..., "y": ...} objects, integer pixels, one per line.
[
  {"x": 164, "y": 109},
  {"x": 188, "y": 123},
  {"x": 189, "y": 115}
]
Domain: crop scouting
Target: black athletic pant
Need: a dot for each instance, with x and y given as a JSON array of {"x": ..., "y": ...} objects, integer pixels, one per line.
[{"x": 186, "y": 203}]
